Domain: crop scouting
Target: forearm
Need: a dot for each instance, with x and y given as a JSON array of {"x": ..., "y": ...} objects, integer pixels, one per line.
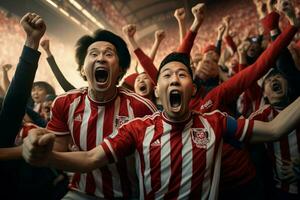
[
  {"x": 5, "y": 80},
  {"x": 182, "y": 29},
  {"x": 13, "y": 108},
  {"x": 286, "y": 121},
  {"x": 11, "y": 153},
  {"x": 187, "y": 43},
  {"x": 64, "y": 83},
  {"x": 133, "y": 43},
  {"x": 154, "y": 50},
  {"x": 79, "y": 161}
]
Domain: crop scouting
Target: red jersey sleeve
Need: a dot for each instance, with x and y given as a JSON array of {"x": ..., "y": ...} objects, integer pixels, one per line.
[
  {"x": 123, "y": 144},
  {"x": 147, "y": 64},
  {"x": 187, "y": 42},
  {"x": 228, "y": 91},
  {"x": 59, "y": 116}
]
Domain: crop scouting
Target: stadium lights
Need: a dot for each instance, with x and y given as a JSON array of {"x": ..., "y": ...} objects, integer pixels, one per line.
[
  {"x": 64, "y": 12},
  {"x": 86, "y": 13},
  {"x": 77, "y": 5},
  {"x": 52, "y": 3}
]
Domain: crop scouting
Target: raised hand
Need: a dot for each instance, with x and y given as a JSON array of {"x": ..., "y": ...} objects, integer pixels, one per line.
[
  {"x": 6, "y": 67},
  {"x": 179, "y": 14},
  {"x": 37, "y": 146},
  {"x": 34, "y": 27},
  {"x": 243, "y": 47},
  {"x": 198, "y": 12},
  {"x": 45, "y": 44},
  {"x": 129, "y": 30},
  {"x": 160, "y": 35}
]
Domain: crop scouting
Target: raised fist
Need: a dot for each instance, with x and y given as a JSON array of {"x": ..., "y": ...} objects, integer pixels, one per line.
[
  {"x": 179, "y": 14},
  {"x": 37, "y": 146},
  {"x": 129, "y": 30},
  {"x": 34, "y": 27},
  {"x": 160, "y": 35},
  {"x": 198, "y": 11},
  {"x": 6, "y": 67},
  {"x": 243, "y": 47},
  {"x": 46, "y": 45}
]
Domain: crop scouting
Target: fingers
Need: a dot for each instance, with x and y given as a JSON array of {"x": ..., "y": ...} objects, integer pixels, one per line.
[
  {"x": 129, "y": 30},
  {"x": 179, "y": 13}
]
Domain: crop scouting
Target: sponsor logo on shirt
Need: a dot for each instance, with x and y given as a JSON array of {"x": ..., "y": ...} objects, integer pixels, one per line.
[
  {"x": 200, "y": 137},
  {"x": 120, "y": 120},
  {"x": 155, "y": 143},
  {"x": 78, "y": 118},
  {"x": 207, "y": 104}
]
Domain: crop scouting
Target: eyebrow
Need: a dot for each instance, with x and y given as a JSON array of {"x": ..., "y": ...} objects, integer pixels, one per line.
[
  {"x": 178, "y": 70},
  {"x": 106, "y": 49}
]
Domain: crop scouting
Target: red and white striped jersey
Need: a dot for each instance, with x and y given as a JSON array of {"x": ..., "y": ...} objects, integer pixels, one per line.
[
  {"x": 177, "y": 160},
  {"x": 285, "y": 149},
  {"x": 89, "y": 123}
]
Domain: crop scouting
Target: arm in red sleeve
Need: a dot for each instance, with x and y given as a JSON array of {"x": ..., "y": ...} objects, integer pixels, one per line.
[
  {"x": 230, "y": 43},
  {"x": 187, "y": 42},
  {"x": 228, "y": 91},
  {"x": 270, "y": 22},
  {"x": 147, "y": 64}
]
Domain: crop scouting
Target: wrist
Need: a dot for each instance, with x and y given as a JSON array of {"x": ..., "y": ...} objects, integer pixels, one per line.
[{"x": 32, "y": 43}]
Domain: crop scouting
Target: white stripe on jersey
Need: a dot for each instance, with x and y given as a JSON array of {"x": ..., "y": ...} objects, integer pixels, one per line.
[
  {"x": 146, "y": 144},
  {"x": 99, "y": 137},
  {"x": 244, "y": 130},
  {"x": 293, "y": 147},
  {"x": 206, "y": 185},
  {"x": 84, "y": 124},
  {"x": 187, "y": 165},
  {"x": 116, "y": 181},
  {"x": 147, "y": 102},
  {"x": 72, "y": 108},
  {"x": 130, "y": 111},
  {"x": 98, "y": 182},
  {"x": 165, "y": 161}
]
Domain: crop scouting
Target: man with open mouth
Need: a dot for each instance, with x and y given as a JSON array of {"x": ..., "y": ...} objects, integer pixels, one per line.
[
  {"x": 84, "y": 117},
  {"x": 178, "y": 150},
  {"x": 283, "y": 154}
]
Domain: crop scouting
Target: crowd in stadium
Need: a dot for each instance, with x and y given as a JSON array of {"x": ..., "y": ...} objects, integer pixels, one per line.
[{"x": 207, "y": 109}]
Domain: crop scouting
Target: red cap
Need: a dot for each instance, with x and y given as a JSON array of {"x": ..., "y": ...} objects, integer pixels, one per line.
[
  {"x": 129, "y": 80},
  {"x": 208, "y": 48}
]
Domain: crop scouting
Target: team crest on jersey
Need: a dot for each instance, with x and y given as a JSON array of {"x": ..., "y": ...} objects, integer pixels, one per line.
[
  {"x": 200, "y": 137},
  {"x": 121, "y": 120}
]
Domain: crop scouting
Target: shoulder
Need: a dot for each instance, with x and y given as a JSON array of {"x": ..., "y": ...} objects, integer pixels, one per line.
[
  {"x": 70, "y": 95},
  {"x": 136, "y": 100}
]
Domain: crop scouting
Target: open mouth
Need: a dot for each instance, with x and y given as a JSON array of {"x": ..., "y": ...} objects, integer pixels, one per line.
[
  {"x": 276, "y": 86},
  {"x": 101, "y": 75},
  {"x": 143, "y": 88},
  {"x": 175, "y": 99}
]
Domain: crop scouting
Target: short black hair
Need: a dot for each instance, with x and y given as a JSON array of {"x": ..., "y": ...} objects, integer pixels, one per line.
[
  {"x": 183, "y": 58},
  {"x": 49, "y": 89},
  {"x": 103, "y": 35}
]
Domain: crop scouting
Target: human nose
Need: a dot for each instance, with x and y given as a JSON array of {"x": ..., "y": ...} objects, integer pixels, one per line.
[{"x": 174, "y": 79}]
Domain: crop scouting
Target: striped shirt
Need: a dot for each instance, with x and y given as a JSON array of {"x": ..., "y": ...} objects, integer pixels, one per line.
[
  {"x": 286, "y": 149},
  {"x": 89, "y": 122},
  {"x": 177, "y": 160}
]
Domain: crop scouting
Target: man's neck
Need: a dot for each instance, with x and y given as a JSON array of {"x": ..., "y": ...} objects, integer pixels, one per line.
[{"x": 103, "y": 96}]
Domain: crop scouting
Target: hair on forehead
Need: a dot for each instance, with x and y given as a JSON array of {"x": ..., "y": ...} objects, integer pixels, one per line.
[{"x": 176, "y": 57}]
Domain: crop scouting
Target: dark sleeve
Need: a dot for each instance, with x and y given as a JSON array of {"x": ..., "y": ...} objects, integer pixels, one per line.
[
  {"x": 36, "y": 117},
  {"x": 218, "y": 46},
  {"x": 66, "y": 85},
  {"x": 13, "y": 108}
]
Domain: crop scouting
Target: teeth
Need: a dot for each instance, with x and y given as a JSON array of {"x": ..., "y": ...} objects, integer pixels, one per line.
[{"x": 174, "y": 92}]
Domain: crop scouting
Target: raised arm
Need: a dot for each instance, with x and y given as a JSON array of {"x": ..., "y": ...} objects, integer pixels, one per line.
[
  {"x": 187, "y": 43},
  {"x": 5, "y": 81},
  {"x": 159, "y": 36},
  {"x": 281, "y": 125},
  {"x": 229, "y": 90},
  {"x": 64, "y": 83},
  {"x": 146, "y": 62},
  {"x": 13, "y": 108},
  {"x": 179, "y": 14}
]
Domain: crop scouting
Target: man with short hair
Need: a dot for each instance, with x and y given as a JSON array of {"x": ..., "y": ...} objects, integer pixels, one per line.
[{"x": 178, "y": 150}]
